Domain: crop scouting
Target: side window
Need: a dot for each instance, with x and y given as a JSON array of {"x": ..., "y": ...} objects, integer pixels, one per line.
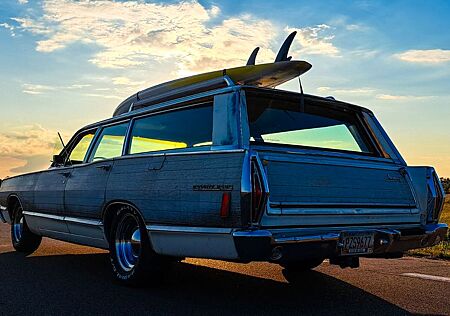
[
  {"x": 79, "y": 152},
  {"x": 109, "y": 143},
  {"x": 186, "y": 128}
]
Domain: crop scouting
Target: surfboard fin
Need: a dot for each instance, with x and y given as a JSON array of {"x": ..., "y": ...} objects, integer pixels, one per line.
[
  {"x": 252, "y": 59},
  {"x": 284, "y": 50}
]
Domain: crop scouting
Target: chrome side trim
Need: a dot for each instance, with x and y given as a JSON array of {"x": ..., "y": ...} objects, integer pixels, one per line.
[
  {"x": 324, "y": 210},
  {"x": 308, "y": 238},
  {"x": 82, "y": 231},
  {"x": 188, "y": 229},
  {"x": 43, "y": 215},
  {"x": 77, "y": 220},
  {"x": 252, "y": 233},
  {"x": 89, "y": 222}
]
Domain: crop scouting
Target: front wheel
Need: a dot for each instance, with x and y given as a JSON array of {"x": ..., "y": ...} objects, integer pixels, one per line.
[
  {"x": 295, "y": 272},
  {"x": 23, "y": 239},
  {"x": 132, "y": 258}
]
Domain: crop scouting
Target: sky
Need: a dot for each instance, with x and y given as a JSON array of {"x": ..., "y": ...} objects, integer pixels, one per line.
[{"x": 67, "y": 63}]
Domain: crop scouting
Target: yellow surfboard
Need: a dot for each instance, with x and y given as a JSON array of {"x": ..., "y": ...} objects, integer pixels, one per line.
[{"x": 264, "y": 75}]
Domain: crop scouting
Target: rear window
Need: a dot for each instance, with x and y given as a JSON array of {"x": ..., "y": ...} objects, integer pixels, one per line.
[
  {"x": 191, "y": 127},
  {"x": 279, "y": 121}
]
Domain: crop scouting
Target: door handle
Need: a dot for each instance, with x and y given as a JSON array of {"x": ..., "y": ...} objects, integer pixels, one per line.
[
  {"x": 65, "y": 173},
  {"x": 104, "y": 167}
]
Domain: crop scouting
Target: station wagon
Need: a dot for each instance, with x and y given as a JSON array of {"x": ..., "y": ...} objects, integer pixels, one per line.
[{"x": 223, "y": 166}]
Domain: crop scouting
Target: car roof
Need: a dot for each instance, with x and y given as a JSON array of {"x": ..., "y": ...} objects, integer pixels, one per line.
[{"x": 326, "y": 101}]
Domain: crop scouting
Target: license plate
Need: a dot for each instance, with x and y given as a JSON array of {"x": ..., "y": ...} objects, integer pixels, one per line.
[{"x": 356, "y": 243}]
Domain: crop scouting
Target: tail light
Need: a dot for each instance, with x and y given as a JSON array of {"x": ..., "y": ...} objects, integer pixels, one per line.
[
  {"x": 225, "y": 205},
  {"x": 435, "y": 200},
  {"x": 258, "y": 193}
]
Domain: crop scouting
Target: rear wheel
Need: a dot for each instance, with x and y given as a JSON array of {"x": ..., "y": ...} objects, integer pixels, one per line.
[
  {"x": 132, "y": 258},
  {"x": 295, "y": 272},
  {"x": 23, "y": 239}
]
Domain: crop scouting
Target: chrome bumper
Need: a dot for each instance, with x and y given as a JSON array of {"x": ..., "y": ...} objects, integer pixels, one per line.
[
  {"x": 258, "y": 244},
  {"x": 4, "y": 215}
]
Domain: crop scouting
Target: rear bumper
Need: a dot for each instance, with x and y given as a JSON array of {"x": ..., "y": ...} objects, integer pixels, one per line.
[
  {"x": 4, "y": 215},
  {"x": 260, "y": 244}
]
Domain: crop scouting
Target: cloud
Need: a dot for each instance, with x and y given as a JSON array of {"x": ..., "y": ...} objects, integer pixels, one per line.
[
  {"x": 36, "y": 89},
  {"x": 26, "y": 140},
  {"x": 137, "y": 34},
  {"x": 22, "y": 1},
  {"x": 105, "y": 96},
  {"x": 30, "y": 88},
  {"x": 391, "y": 97},
  {"x": 433, "y": 56},
  {"x": 124, "y": 81},
  {"x": 315, "y": 40},
  {"x": 25, "y": 148},
  {"x": 365, "y": 90}
]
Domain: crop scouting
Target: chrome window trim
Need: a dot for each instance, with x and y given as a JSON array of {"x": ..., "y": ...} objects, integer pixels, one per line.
[{"x": 180, "y": 153}]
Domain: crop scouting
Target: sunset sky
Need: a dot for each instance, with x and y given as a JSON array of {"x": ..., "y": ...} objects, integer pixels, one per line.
[{"x": 68, "y": 63}]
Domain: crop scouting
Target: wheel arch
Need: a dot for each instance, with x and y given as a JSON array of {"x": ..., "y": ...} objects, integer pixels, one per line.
[
  {"x": 11, "y": 201},
  {"x": 108, "y": 214}
]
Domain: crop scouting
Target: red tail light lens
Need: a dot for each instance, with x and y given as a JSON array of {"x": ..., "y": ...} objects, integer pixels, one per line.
[{"x": 226, "y": 204}]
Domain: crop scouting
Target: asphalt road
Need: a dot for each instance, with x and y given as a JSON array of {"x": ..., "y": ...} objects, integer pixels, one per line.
[{"x": 64, "y": 279}]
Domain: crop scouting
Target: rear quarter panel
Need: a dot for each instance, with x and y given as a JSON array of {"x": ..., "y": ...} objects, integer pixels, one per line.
[{"x": 162, "y": 187}]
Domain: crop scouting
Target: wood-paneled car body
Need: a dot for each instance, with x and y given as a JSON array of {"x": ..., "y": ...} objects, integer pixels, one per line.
[{"x": 224, "y": 170}]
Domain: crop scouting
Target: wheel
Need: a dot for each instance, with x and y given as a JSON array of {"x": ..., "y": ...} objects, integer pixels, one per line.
[
  {"x": 23, "y": 239},
  {"x": 132, "y": 258},
  {"x": 295, "y": 272}
]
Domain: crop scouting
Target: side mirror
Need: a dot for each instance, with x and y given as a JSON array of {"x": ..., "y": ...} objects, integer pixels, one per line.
[{"x": 58, "y": 160}]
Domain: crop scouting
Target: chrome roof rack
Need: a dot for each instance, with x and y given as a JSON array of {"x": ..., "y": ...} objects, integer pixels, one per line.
[{"x": 166, "y": 92}]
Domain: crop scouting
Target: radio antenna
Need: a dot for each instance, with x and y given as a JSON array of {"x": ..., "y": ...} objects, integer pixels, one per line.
[
  {"x": 62, "y": 143},
  {"x": 302, "y": 96}
]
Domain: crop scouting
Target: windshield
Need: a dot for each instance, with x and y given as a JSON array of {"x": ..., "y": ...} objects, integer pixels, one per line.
[{"x": 279, "y": 121}]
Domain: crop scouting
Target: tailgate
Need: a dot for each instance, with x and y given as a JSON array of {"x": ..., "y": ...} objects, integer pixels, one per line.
[{"x": 328, "y": 191}]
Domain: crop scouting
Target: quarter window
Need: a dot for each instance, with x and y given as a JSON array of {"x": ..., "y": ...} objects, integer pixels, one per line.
[
  {"x": 110, "y": 142},
  {"x": 173, "y": 130}
]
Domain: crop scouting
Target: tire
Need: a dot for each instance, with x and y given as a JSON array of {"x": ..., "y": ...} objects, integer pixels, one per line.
[
  {"x": 133, "y": 261},
  {"x": 23, "y": 240},
  {"x": 295, "y": 272}
]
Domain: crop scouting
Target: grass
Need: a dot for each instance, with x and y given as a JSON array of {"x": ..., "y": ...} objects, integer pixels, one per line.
[{"x": 442, "y": 250}]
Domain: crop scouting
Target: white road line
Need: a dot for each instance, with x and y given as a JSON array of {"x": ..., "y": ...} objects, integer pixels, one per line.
[{"x": 426, "y": 277}]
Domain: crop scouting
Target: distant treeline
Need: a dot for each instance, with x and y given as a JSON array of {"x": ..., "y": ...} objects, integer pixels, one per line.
[{"x": 446, "y": 184}]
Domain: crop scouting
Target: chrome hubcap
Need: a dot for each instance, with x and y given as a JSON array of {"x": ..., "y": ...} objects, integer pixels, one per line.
[
  {"x": 18, "y": 226},
  {"x": 128, "y": 242}
]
